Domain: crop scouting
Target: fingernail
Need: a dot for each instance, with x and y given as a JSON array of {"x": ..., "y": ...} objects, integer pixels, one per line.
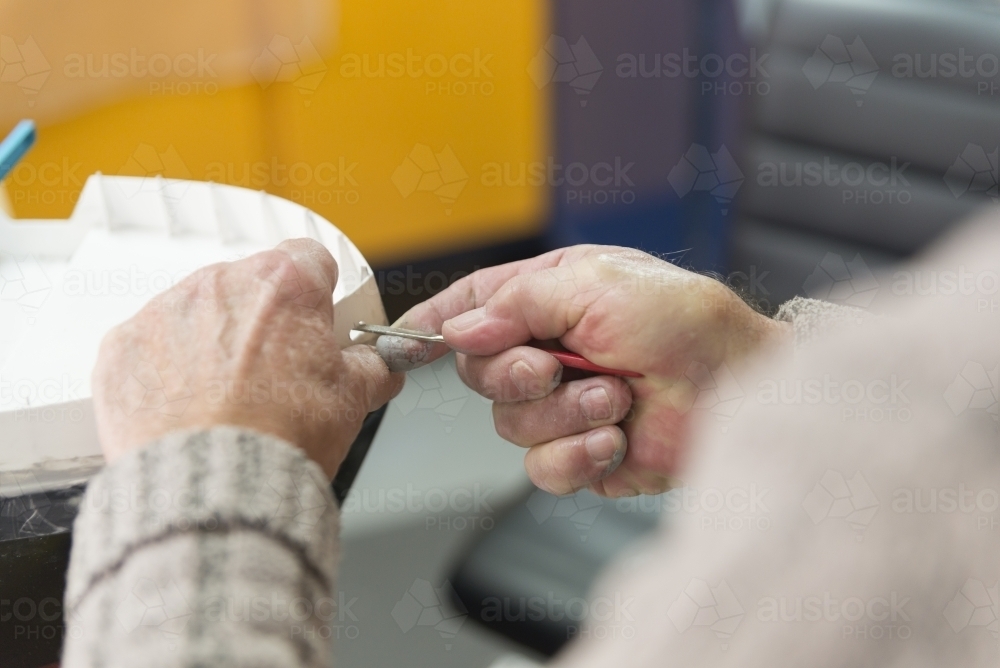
[
  {"x": 467, "y": 320},
  {"x": 526, "y": 380},
  {"x": 602, "y": 447},
  {"x": 596, "y": 404}
]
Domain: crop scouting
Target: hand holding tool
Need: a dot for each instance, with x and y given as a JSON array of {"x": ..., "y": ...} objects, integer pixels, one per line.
[{"x": 566, "y": 358}]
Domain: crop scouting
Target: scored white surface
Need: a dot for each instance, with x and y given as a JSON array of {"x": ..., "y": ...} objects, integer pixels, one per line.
[{"x": 111, "y": 277}]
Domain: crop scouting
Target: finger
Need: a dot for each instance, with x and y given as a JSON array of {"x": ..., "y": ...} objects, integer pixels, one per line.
[
  {"x": 517, "y": 374},
  {"x": 301, "y": 272},
  {"x": 567, "y": 464},
  {"x": 402, "y": 355},
  {"x": 542, "y": 305},
  {"x": 630, "y": 481},
  {"x": 654, "y": 456},
  {"x": 573, "y": 408},
  {"x": 370, "y": 382},
  {"x": 463, "y": 295},
  {"x": 313, "y": 257}
]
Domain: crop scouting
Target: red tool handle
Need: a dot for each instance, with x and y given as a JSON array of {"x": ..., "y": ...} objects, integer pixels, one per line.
[{"x": 580, "y": 362}]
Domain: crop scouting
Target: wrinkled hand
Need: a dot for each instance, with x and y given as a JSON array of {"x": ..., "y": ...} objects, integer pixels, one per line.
[
  {"x": 617, "y": 307},
  {"x": 247, "y": 343}
]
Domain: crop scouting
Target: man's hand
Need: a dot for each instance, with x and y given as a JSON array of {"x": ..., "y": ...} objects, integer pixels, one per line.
[
  {"x": 247, "y": 343},
  {"x": 617, "y": 307}
]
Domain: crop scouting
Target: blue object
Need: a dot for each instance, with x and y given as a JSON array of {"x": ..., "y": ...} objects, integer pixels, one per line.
[{"x": 17, "y": 143}]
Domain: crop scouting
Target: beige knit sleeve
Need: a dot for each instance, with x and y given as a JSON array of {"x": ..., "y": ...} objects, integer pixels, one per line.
[
  {"x": 811, "y": 318},
  {"x": 205, "y": 548}
]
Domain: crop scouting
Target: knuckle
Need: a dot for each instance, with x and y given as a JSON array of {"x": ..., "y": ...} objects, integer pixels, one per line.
[
  {"x": 491, "y": 384},
  {"x": 277, "y": 261},
  {"x": 204, "y": 283},
  {"x": 575, "y": 464},
  {"x": 513, "y": 292},
  {"x": 469, "y": 371},
  {"x": 486, "y": 376},
  {"x": 522, "y": 284},
  {"x": 204, "y": 274},
  {"x": 548, "y": 484},
  {"x": 458, "y": 295},
  {"x": 504, "y": 423},
  {"x": 556, "y": 469},
  {"x": 321, "y": 253},
  {"x": 538, "y": 471},
  {"x": 211, "y": 283},
  {"x": 312, "y": 252},
  {"x": 309, "y": 245},
  {"x": 478, "y": 282},
  {"x": 363, "y": 384}
]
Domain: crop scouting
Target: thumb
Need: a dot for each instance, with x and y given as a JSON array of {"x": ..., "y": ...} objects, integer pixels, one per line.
[
  {"x": 540, "y": 305},
  {"x": 372, "y": 377}
]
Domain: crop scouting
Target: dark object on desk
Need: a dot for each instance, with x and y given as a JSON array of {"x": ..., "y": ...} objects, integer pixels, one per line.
[
  {"x": 34, "y": 552},
  {"x": 549, "y": 549},
  {"x": 356, "y": 455}
]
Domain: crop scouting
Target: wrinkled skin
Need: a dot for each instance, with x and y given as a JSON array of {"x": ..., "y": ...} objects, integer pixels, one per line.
[
  {"x": 617, "y": 307},
  {"x": 247, "y": 343}
]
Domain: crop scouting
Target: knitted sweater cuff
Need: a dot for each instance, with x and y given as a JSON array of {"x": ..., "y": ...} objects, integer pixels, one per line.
[
  {"x": 214, "y": 480},
  {"x": 812, "y": 318}
]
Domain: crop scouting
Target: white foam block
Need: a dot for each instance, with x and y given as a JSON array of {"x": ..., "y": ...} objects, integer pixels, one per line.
[{"x": 65, "y": 284}]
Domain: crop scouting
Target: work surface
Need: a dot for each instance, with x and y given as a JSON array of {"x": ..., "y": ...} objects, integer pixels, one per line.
[{"x": 436, "y": 474}]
